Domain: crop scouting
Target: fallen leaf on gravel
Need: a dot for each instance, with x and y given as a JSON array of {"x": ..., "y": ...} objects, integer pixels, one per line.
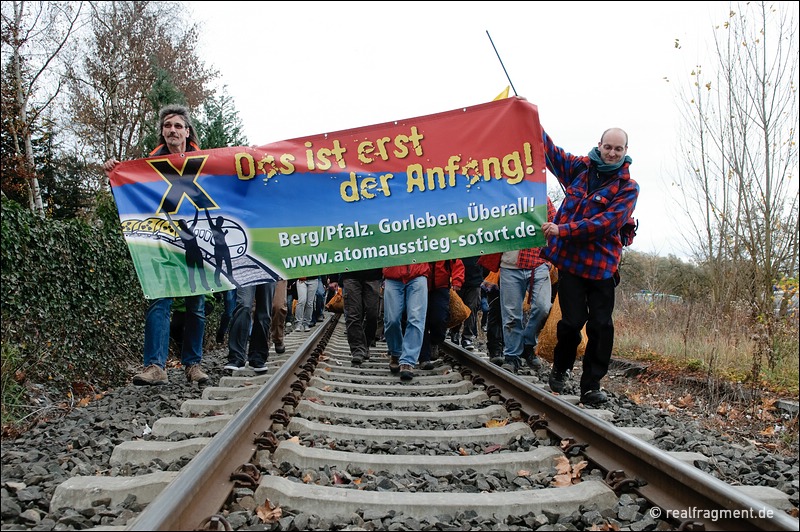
[
  {"x": 568, "y": 474},
  {"x": 492, "y": 448},
  {"x": 268, "y": 513},
  {"x": 494, "y": 423},
  {"x": 562, "y": 465},
  {"x": 294, "y": 439},
  {"x": 562, "y": 481},
  {"x": 462, "y": 451}
]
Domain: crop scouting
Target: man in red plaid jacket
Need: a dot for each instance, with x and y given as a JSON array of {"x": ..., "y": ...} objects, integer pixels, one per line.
[{"x": 584, "y": 243}]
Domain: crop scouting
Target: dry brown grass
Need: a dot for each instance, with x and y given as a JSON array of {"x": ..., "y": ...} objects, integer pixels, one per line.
[{"x": 692, "y": 337}]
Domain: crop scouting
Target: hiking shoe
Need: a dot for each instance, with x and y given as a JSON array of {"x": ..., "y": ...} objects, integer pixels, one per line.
[
  {"x": 467, "y": 344},
  {"x": 498, "y": 360},
  {"x": 233, "y": 366},
  {"x": 406, "y": 372},
  {"x": 259, "y": 368},
  {"x": 394, "y": 364},
  {"x": 529, "y": 354},
  {"x": 512, "y": 364},
  {"x": 427, "y": 365},
  {"x": 594, "y": 397},
  {"x": 533, "y": 361},
  {"x": 194, "y": 373},
  {"x": 356, "y": 360},
  {"x": 558, "y": 380},
  {"x": 152, "y": 375},
  {"x": 280, "y": 348}
]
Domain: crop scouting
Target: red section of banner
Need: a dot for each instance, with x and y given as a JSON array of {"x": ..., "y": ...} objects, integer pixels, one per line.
[{"x": 438, "y": 140}]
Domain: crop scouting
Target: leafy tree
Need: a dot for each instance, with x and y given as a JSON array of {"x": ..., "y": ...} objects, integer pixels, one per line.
[
  {"x": 138, "y": 53},
  {"x": 221, "y": 125}
]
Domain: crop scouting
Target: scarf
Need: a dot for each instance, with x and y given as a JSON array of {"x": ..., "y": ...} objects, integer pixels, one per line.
[{"x": 605, "y": 168}]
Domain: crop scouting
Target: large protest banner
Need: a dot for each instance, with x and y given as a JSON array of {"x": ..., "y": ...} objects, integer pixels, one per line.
[{"x": 455, "y": 184}]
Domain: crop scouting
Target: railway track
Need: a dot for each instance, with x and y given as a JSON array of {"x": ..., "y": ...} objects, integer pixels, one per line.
[{"x": 318, "y": 438}]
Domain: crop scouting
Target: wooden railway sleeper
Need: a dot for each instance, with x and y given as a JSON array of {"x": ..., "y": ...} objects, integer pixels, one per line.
[
  {"x": 246, "y": 476},
  {"x": 215, "y": 522}
]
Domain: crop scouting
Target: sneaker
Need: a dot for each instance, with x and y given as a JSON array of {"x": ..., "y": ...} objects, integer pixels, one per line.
[
  {"x": 280, "y": 348},
  {"x": 306, "y": 328},
  {"x": 234, "y": 365},
  {"x": 467, "y": 344},
  {"x": 558, "y": 380},
  {"x": 194, "y": 373},
  {"x": 356, "y": 360},
  {"x": 259, "y": 368},
  {"x": 427, "y": 365},
  {"x": 298, "y": 327},
  {"x": 512, "y": 364},
  {"x": 394, "y": 364},
  {"x": 594, "y": 397},
  {"x": 406, "y": 372},
  {"x": 455, "y": 338},
  {"x": 152, "y": 375}
]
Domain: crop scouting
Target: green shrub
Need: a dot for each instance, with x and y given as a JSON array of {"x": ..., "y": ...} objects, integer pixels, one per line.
[{"x": 72, "y": 307}]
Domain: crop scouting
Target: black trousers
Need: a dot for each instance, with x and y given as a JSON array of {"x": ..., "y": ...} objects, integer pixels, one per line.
[
  {"x": 494, "y": 325},
  {"x": 589, "y": 302},
  {"x": 362, "y": 301}
]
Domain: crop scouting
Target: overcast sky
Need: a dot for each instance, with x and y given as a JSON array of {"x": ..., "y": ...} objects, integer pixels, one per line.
[{"x": 298, "y": 69}]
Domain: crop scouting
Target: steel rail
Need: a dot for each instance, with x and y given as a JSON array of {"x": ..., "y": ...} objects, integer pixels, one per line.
[
  {"x": 205, "y": 484},
  {"x": 667, "y": 483}
]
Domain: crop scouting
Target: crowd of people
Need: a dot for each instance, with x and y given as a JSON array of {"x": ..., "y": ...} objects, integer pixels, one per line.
[{"x": 408, "y": 306}]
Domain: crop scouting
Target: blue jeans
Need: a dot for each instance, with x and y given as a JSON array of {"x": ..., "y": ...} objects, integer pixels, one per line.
[
  {"x": 411, "y": 298},
  {"x": 514, "y": 285},
  {"x": 156, "y": 331},
  {"x": 244, "y": 327}
]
